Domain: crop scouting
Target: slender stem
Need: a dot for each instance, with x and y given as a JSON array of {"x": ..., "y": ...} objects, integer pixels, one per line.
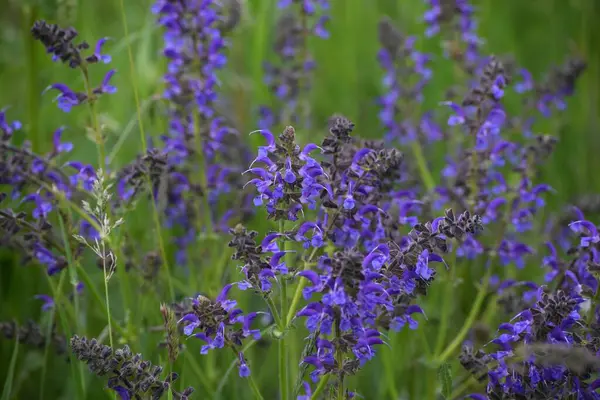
[
  {"x": 477, "y": 304},
  {"x": 426, "y": 176},
  {"x": 106, "y": 296},
  {"x": 251, "y": 380},
  {"x": 423, "y": 338},
  {"x": 339, "y": 357},
  {"x": 155, "y": 215},
  {"x": 320, "y": 387},
  {"x": 203, "y": 167},
  {"x": 200, "y": 374},
  {"x": 593, "y": 305},
  {"x": 72, "y": 271},
  {"x": 76, "y": 370},
  {"x": 282, "y": 369},
  {"x": 283, "y": 348},
  {"x": 89, "y": 284},
  {"x": 51, "y": 316},
  {"x": 91, "y": 101},
  {"x": 223, "y": 381},
  {"x": 457, "y": 393},
  {"x": 273, "y": 309},
  {"x": 298, "y": 293},
  {"x": 389, "y": 358},
  {"x": 446, "y": 305},
  {"x": 38, "y": 139},
  {"x": 255, "y": 388}
]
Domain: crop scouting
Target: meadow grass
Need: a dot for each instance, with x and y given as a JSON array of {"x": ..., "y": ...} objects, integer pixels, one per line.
[{"x": 347, "y": 80}]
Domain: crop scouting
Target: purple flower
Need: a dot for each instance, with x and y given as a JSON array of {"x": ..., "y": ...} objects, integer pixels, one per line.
[
  {"x": 422, "y": 269},
  {"x": 105, "y": 58},
  {"x": 43, "y": 205},
  {"x": 527, "y": 81},
  {"x": 307, "y": 392},
  {"x": 6, "y": 127},
  {"x": 48, "y": 301},
  {"x": 588, "y": 232},
  {"x": 244, "y": 370},
  {"x": 67, "y": 99},
  {"x": 58, "y": 146},
  {"x": 105, "y": 86},
  {"x": 459, "y": 117}
]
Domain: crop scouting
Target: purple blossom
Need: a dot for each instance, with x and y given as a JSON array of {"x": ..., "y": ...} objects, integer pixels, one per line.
[
  {"x": 588, "y": 232},
  {"x": 67, "y": 98},
  {"x": 105, "y": 58},
  {"x": 48, "y": 301}
]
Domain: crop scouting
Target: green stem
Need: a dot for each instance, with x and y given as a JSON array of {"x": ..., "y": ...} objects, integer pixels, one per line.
[
  {"x": 89, "y": 284},
  {"x": 91, "y": 101},
  {"x": 202, "y": 173},
  {"x": 106, "y": 296},
  {"x": 282, "y": 369},
  {"x": 339, "y": 357},
  {"x": 283, "y": 348},
  {"x": 446, "y": 306},
  {"x": 390, "y": 378},
  {"x": 426, "y": 176},
  {"x": 38, "y": 140},
  {"x": 51, "y": 316},
  {"x": 155, "y": 215},
  {"x": 123, "y": 278},
  {"x": 223, "y": 381},
  {"x": 273, "y": 309},
  {"x": 255, "y": 388},
  {"x": 298, "y": 293},
  {"x": 320, "y": 387},
  {"x": 200, "y": 374},
  {"x": 77, "y": 370},
  {"x": 593, "y": 305},
  {"x": 457, "y": 393},
  {"x": 72, "y": 271},
  {"x": 478, "y": 303}
]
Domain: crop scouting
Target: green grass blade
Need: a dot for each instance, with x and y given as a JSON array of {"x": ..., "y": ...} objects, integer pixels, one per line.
[{"x": 6, "y": 392}]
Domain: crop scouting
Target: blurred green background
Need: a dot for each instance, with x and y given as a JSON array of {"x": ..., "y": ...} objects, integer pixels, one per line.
[{"x": 538, "y": 33}]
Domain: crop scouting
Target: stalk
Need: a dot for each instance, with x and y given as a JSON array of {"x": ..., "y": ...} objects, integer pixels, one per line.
[
  {"x": 283, "y": 348},
  {"x": 155, "y": 215}
]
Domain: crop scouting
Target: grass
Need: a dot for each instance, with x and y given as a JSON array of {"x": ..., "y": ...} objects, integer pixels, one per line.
[{"x": 347, "y": 80}]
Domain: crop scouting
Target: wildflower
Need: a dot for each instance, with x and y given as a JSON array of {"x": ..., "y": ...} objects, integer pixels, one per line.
[
  {"x": 33, "y": 335},
  {"x": 290, "y": 177},
  {"x": 129, "y": 375},
  {"x": 48, "y": 301},
  {"x": 406, "y": 75},
  {"x": 216, "y": 321},
  {"x": 289, "y": 77},
  {"x": 59, "y": 42}
]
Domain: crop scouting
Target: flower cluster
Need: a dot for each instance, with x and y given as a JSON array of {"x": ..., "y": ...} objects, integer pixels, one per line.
[
  {"x": 260, "y": 269},
  {"x": 406, "y": 74},
  {"x": 217, "y": 323},
  {"x": 32, "y": 334},
  {"x": 37, "y": 182},
  {"x": 549, "y": 347},
  {"x": 361, "y": 295},
  {"x": 290, "y": 177},
  {"x": 459, "y": 16},
  {"x": 289, "y": 78},
  {"x": 129, "y": 375},
  {"x": 199, "y": 160},
  {"x": 59, "y": 42},
  {"x": 360, "y": 242}
]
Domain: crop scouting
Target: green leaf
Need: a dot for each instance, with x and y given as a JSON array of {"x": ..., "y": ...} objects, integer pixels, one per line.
[
  {"x": 445, "y": 378},
  {"x": 11, "y": 371}
]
